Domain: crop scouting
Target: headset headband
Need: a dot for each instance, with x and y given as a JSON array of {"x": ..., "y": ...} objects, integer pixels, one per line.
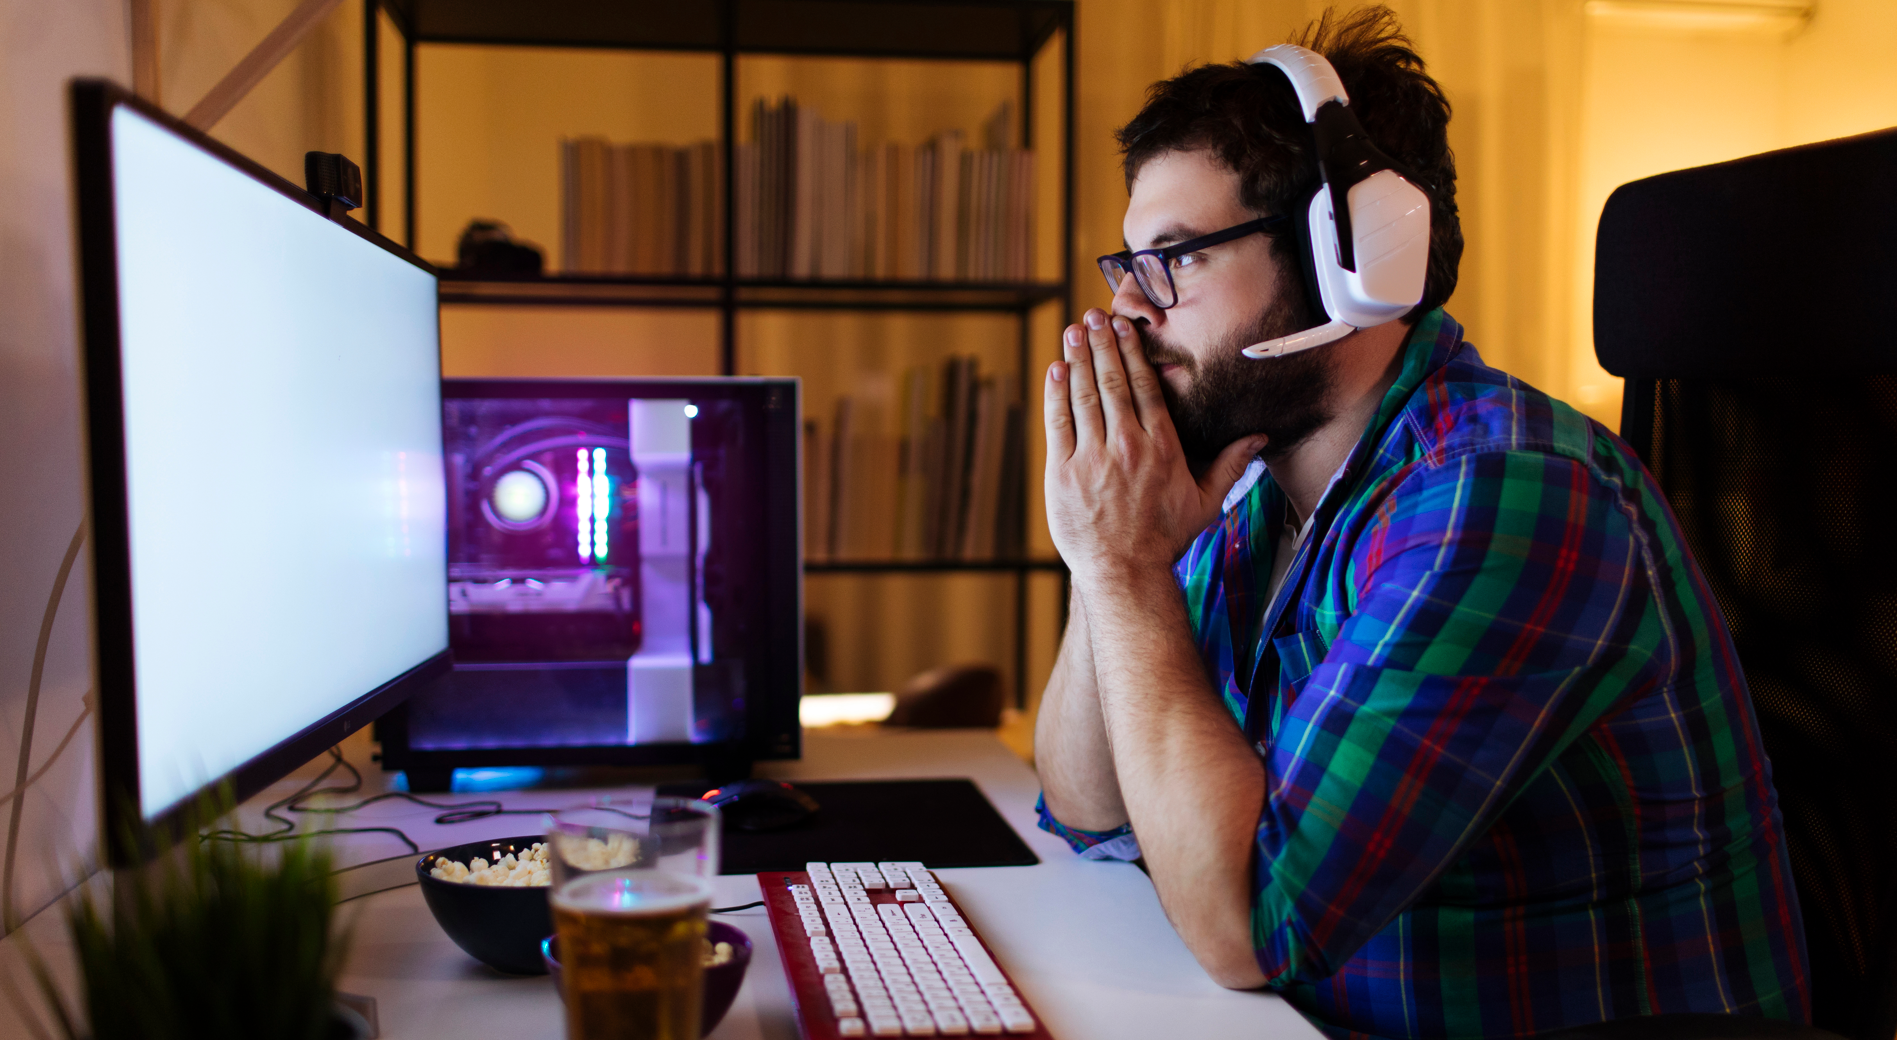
[{"x": 1369, "y": 226}]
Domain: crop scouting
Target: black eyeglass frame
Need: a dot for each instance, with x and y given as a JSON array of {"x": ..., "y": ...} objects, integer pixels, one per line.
[{"x": 1127, "y": 261}]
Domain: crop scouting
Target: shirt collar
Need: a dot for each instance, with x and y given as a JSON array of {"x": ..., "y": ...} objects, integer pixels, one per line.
[{"x": 1436, "y": 338}]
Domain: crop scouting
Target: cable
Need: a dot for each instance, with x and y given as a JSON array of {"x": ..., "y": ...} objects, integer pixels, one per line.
[
  {"x": 7, "y": 922},
  {"x": 461, "y": 812},
  {"x": 545, "y": 422},
  {"x": 458, "y": 812},
  {"x": 58, "y": 749}
]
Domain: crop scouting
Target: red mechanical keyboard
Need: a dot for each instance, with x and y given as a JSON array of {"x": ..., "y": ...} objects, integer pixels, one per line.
[{"x": 879, "y": 949}]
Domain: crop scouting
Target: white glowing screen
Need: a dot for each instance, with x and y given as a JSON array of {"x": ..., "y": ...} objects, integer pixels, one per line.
[{"x": 300, "y": 364}]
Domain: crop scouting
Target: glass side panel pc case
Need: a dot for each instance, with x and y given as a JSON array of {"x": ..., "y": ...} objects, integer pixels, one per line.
[
  {"x": 625, "y": 577},
  {"x": 262, "y": 390}
]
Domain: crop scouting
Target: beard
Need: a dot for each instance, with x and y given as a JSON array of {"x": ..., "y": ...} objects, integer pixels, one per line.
[{"x": 1230, "y": 396}]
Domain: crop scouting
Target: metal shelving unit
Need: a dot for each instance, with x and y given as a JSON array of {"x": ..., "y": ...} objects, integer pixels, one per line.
[{"x": 1012, "y": 31}]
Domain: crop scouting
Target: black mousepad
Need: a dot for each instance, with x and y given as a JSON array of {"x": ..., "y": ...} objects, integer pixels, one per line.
[{"x": 941, "y": 823}]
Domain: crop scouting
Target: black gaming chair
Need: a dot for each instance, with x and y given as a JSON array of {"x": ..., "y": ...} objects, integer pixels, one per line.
[{"x": 1744, "y": 305}]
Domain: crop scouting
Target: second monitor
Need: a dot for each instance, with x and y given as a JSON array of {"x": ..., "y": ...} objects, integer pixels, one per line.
[{"x": 624, "y": 577}]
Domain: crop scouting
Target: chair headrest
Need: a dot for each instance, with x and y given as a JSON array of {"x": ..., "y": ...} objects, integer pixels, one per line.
[{"x": 1783, "y": 259}]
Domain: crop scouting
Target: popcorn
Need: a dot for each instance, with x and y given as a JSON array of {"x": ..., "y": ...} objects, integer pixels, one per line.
[
  {"x": 719, "y": 954},
  {"x": 527, "y": 870},
  {"x": 618, "y": 850},
  {"x": 530, "y": 869}
]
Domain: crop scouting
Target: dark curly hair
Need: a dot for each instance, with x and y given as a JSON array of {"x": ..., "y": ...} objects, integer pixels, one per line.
[{"x": 1249, "y": 118}]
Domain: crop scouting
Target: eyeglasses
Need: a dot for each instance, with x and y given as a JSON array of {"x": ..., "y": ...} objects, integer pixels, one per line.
[{"x": 1152, "y": 268}]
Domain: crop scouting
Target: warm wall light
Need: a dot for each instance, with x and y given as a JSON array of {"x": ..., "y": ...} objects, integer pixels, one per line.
[
  {"x": 1771, "y": 17},
  {"x": 842, "y": 709}
]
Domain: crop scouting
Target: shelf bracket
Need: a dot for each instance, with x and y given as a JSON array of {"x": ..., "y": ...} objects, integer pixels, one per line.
[{"x": 257, "y": 64}]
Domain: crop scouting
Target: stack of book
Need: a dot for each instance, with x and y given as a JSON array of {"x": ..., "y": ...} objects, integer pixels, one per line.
[
  {"x": 643, "y": 209},
  {"x": 948, "y": 486},
  {"x": 812, "y": 204}
]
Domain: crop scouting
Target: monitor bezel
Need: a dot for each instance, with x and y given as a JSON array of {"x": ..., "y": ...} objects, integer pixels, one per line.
[
  {"x": 772, "y": 726},
  {"x": 128, "y": 837}
]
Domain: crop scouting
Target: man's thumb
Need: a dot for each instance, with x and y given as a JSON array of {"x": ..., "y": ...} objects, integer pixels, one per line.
[{"x": 1230, "y": 465}]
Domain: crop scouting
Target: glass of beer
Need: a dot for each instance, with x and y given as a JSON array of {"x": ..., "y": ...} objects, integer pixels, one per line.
[{"x": 631, "y": 889}]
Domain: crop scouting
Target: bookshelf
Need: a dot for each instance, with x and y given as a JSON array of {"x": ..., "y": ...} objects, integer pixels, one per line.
[{"x": 1015, "y": 32}]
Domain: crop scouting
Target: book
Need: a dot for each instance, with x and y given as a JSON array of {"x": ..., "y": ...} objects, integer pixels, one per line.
[
  {"x": 912, "y": 487},
  {"x": 946, "y": 205},
  {"x": 987, "y": 421},
  {"x": 817, "y": 498},
  {"x": 1011, "y": 482},
  {"x": 640, "y": 208},
  {"x": 842, "y": 482},
  {"x": 810, "y": 202},
  {"x": 745, "y": 159}
]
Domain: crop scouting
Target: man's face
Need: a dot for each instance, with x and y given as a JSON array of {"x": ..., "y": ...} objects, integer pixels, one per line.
[{"x": 1231, "y": 296}]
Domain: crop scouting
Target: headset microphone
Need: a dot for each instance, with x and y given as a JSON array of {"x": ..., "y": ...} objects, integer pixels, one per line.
[{"x": 1369, "y": 256}]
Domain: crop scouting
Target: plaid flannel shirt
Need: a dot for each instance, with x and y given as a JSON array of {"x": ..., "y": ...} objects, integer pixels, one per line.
[{"x": 1514, "y": 782}]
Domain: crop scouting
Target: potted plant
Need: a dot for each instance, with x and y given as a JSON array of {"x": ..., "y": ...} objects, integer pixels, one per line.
[{"x": 215, "y": 939}]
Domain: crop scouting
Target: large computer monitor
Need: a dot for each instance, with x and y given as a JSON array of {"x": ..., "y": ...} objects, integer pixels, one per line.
[
  {"x": 625, "y": 578},
  {"x": 263, "y": 408}
]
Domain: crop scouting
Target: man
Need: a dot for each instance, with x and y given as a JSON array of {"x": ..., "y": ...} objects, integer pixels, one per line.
[{"x": 1430, "y": 723}]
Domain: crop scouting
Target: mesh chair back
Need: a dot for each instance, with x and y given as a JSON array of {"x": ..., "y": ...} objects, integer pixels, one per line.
[{"x": 1745, "y": 304}]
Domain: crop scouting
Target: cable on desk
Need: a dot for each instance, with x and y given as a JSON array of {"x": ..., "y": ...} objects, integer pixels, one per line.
[
  {"x": 735, "y": 909},
  {"x": 458, "y": 812}
]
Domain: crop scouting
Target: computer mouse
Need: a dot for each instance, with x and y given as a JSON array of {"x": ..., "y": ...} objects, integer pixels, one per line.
[{"x": 761, "y": 805}]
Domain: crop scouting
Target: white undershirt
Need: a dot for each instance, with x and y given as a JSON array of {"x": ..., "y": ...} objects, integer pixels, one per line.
[{"x": 1289, "y": 542}]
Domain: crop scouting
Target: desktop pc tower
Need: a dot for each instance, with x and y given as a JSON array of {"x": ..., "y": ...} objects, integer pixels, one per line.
[{"x": 624, "y": 578}]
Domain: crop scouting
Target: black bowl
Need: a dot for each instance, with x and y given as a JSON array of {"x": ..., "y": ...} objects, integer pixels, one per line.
[
  {"x": 501, "y": 927},
  {"x": 721, "y": 982}
]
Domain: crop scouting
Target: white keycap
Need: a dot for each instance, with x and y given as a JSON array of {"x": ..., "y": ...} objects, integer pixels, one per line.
[
  {"x": 986, "y": 1024},
  {"x": 951, "y": 1023},
  {"x": 979, "y": 963},
  {"x": 849, "y": 1027},
  {"x": 908, "y": 895},
  {"x": 1017, "y": 1021},
  {"x": 893, "y": 1026}
]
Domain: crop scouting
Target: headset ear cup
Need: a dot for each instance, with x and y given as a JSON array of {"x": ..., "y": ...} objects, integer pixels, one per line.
[{"x": 1305, "y": 250}]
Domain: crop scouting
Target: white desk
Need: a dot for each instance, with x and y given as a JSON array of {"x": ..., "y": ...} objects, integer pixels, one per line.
[{"x": 1086, "y": 942}]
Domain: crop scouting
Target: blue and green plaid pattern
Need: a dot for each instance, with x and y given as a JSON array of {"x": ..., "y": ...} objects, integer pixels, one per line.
[{"x": 1514, "y": 778}]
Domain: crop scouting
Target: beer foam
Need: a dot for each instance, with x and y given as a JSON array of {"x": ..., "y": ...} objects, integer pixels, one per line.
[{"x": 632, "y": 892}]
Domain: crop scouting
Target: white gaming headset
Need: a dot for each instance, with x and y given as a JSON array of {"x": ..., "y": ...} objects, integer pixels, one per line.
[{"x": 1370, "y": 256}]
